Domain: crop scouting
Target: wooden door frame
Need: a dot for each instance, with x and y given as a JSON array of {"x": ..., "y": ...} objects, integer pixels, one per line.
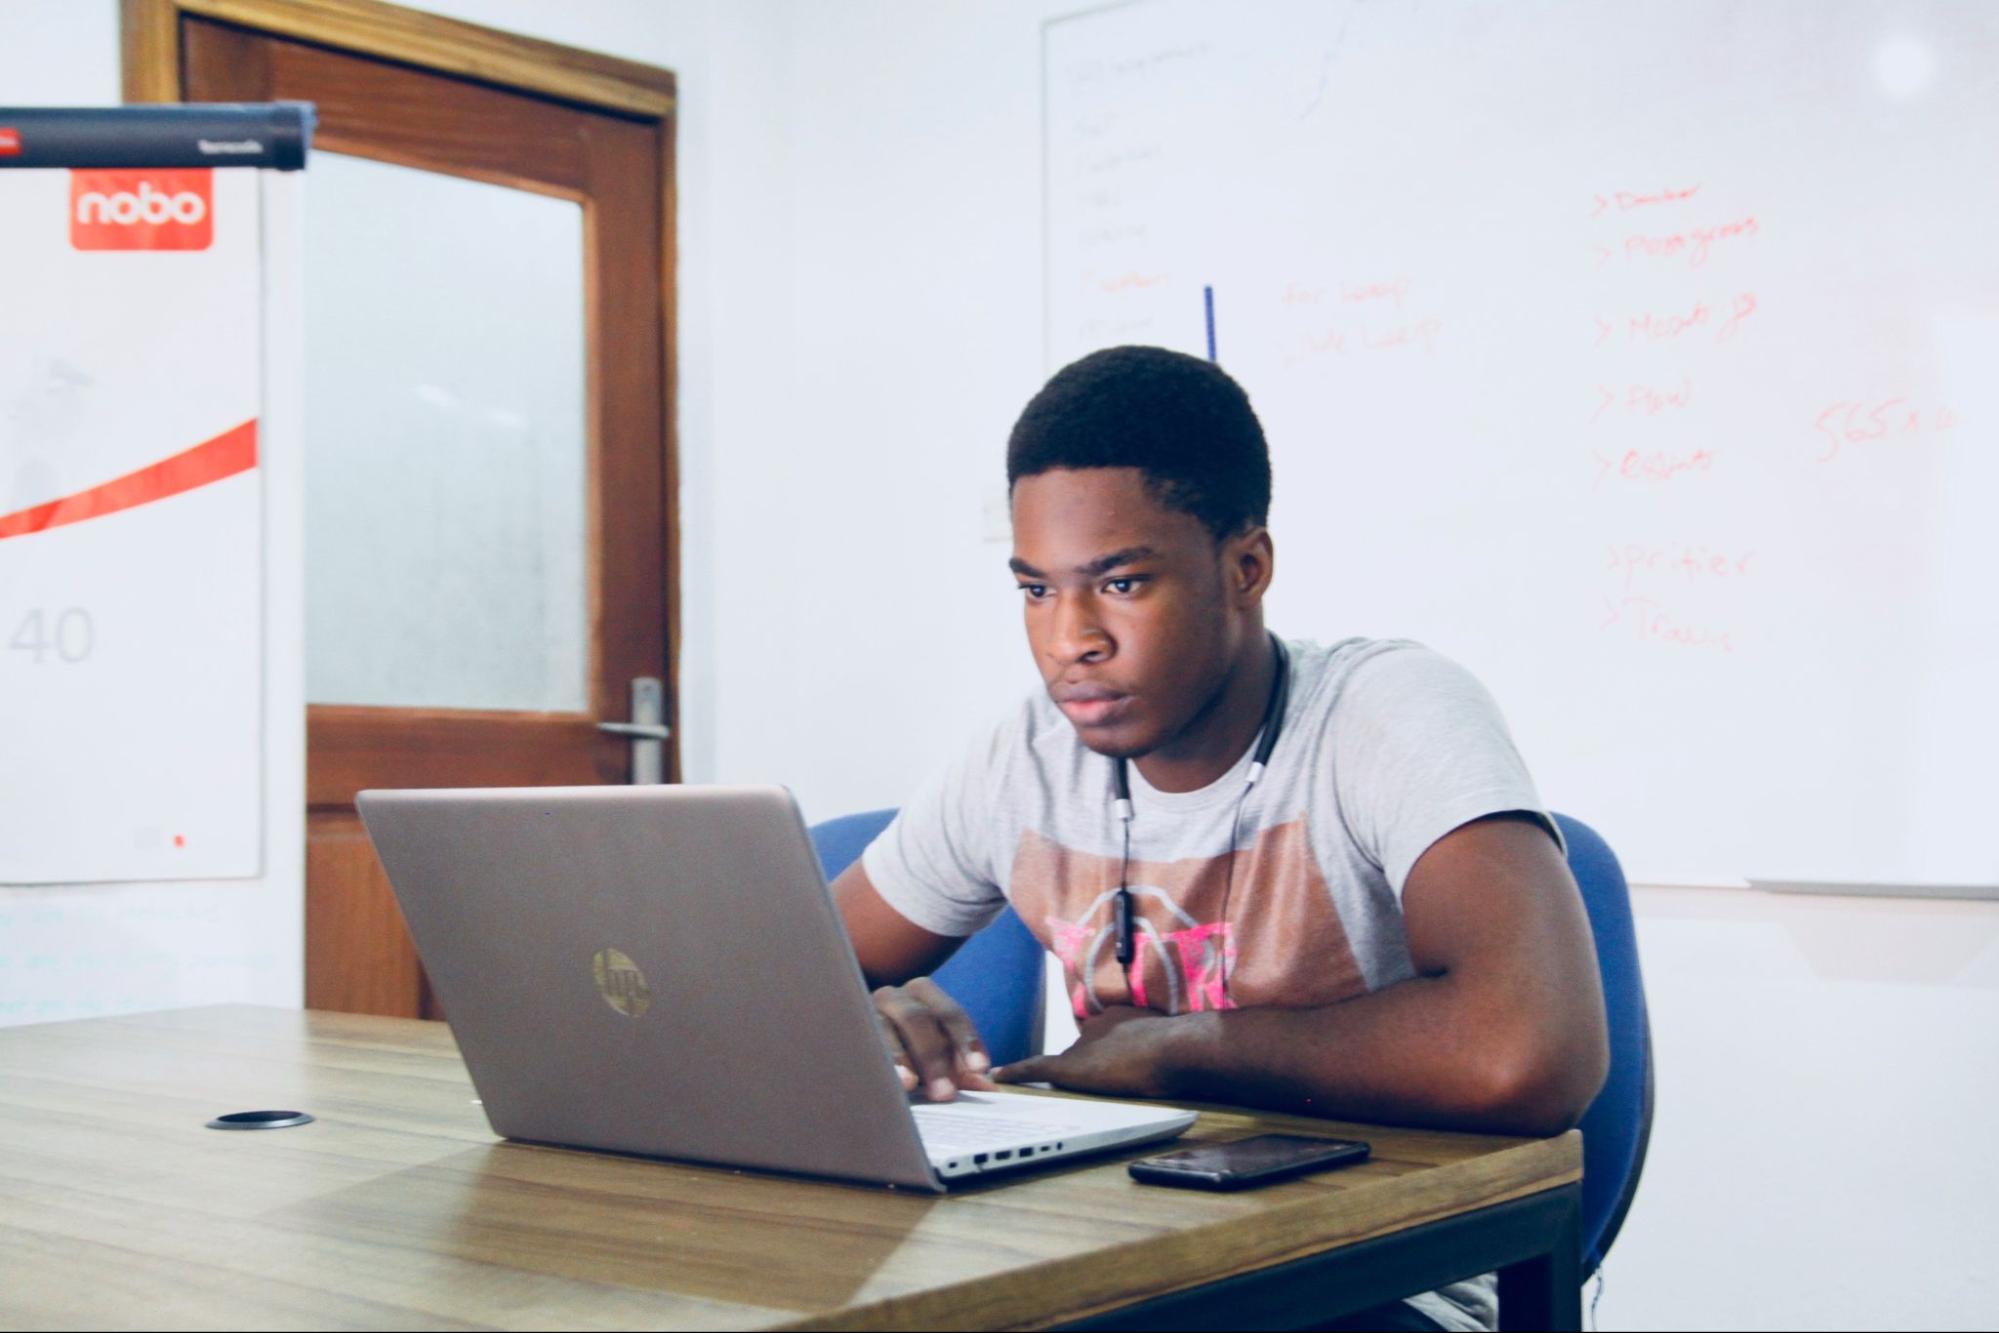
[{"x": 150, "y": 45}]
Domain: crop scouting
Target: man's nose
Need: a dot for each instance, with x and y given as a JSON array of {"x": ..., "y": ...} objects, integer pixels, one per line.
[{"x": 1079, "y": 634}]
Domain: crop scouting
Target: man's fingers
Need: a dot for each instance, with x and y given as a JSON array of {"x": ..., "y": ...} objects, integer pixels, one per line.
[
  {"x": 896, "y": 1054},
  {"x": 937, "y": 1037},
  {"x": 964, "y": 1033},
  {"x": 928, "y": 1047},
  {"x": 1034, "y": 1069}
]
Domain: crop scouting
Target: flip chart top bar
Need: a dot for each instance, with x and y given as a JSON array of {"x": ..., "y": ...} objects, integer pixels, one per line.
[{"x": 248, "y": 134}]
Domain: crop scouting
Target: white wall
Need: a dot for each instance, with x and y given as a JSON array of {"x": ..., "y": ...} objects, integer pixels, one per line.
[
  {"x": 1821, "y": 1155},
  {"x": 860, "y": 321},
  {"x": 863, "y": 622}
]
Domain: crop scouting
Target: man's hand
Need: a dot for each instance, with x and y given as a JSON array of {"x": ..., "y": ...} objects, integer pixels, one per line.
[
  {"x": 1121, "y": 1051},
  {"x": 932, "y": 1040}
]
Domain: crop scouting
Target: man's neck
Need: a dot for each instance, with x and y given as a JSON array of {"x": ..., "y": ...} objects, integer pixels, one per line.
[{"x": 1210, "y": 745}]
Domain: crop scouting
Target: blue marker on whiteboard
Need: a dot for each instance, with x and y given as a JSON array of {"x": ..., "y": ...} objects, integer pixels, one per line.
[{"x": 1208, "y": 298}]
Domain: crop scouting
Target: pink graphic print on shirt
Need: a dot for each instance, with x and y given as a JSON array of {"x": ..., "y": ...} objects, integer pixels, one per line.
[{"x": 1282, "y": 943}]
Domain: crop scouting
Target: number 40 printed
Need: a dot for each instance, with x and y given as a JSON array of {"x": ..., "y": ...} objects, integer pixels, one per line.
[{"x": 54, "y": 636}]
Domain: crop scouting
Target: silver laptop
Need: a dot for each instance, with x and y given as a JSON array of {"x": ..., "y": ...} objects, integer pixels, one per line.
[{"x": 660, "y": 970}]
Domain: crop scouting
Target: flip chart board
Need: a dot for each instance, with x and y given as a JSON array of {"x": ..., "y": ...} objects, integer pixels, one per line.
[
  {"x": 133, "y": 369},
  {"x": 1643, "y": 358}
]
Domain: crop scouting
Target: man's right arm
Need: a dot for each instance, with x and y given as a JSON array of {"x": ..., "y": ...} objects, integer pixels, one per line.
[
  {"x": 930, "y": 1038},
  {"x": 892, "y": 949}
]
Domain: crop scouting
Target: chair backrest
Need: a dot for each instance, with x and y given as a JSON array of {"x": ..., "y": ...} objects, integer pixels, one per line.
[
  {"x": 995, "y": 975},
  {"x": 1618, "y": 1125}
]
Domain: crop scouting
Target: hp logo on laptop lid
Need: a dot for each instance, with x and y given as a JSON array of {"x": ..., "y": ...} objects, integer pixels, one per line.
[{"x": 621, "y": 983}]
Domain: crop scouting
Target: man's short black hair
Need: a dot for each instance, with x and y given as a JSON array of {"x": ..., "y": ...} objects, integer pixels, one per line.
[{"x": 1178, "y": 419}]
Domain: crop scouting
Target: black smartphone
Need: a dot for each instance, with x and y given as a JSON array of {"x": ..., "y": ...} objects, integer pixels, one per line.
[{"x": 1247, "y": 1162}]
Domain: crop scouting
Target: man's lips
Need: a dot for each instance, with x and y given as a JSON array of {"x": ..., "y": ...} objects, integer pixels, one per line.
[{"x": 1090, "y": 705}]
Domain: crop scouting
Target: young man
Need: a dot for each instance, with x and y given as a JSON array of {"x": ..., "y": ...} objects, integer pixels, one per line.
[{"x": 1380, "y": 925}]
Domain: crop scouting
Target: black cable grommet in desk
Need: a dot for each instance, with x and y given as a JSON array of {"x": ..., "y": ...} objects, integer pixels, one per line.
[{"x": 260, "y": 1120}]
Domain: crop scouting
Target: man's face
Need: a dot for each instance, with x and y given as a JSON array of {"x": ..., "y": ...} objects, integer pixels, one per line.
[{"x": 1132, "y": 614}]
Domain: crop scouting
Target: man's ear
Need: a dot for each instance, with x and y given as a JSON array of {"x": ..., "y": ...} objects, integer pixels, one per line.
[{"x": 1249, "y": 562}]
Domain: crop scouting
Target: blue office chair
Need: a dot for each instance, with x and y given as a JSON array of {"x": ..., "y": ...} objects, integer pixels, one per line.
[
  {"x": 995, "y": 975},
  {"x": 1617, "y": 1128}
]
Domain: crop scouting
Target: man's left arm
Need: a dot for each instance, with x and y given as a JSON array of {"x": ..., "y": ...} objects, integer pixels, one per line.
[{"x": 1501, "y": 1029}]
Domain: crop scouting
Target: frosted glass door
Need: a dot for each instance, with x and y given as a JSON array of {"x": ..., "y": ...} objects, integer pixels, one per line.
[{"x": 446, "y": 459}]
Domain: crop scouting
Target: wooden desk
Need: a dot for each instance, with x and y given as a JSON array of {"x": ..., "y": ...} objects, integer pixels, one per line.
[{"x": 399, "y": 1208}]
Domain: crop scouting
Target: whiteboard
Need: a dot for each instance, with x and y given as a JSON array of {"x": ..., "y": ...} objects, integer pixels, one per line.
[{"x": 1643, "y": 358}]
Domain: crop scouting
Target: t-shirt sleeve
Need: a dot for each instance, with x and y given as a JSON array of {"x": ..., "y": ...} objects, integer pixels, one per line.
[
  {"x": 934, "y": 862},
  {"x": 1421, "y": 750}
]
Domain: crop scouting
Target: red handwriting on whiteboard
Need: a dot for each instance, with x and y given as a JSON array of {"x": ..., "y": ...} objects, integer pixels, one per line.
[
  {"x": 1391, "y": 289},
  {"x": 1725, "y": 317},
  {"x": 1643, "y": 400},
  {"x": 1693, "y": 244},
  {"x": 1340, "y": 341},
  {"x": 1626, "y": 200},
  {"x": 1379, "y": 289},
  {"x": 1666, "y": 325},
  {"x": 1745, "y": 306},
  {"x": 1652, "y": 622},
  {"x": 1852, "y": 422},
  {"x": 1130, "y": 282},
  {"x": 1655, "y": 465},
  {"x": 1691, "y": 563},
  {"x": 1422, "y": 333}
]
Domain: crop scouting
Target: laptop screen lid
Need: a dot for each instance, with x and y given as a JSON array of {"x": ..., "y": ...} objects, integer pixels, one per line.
[{"x": 652, "y": 969}]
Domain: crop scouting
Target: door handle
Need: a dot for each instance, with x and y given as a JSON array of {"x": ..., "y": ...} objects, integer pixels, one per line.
[
  {"x": 635, "y": 729},
  {"x": 647, "y": 730}
]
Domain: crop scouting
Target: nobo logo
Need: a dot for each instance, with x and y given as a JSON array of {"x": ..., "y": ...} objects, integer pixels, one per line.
[
  {"x": 142, "y": 210},
  {"x": 621, "y": 983}
]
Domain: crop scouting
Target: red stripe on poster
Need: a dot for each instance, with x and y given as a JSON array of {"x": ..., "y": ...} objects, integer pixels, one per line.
[{"x": 229, "y": 453}]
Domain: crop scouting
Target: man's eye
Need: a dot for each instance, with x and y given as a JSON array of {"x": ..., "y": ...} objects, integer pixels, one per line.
[
  {"x": 1034, "y": 591},
  {"x": 1122, "y": 587}
]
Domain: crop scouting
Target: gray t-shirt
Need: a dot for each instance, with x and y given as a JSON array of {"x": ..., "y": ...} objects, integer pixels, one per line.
[{"x": 1289, "y": 897}]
